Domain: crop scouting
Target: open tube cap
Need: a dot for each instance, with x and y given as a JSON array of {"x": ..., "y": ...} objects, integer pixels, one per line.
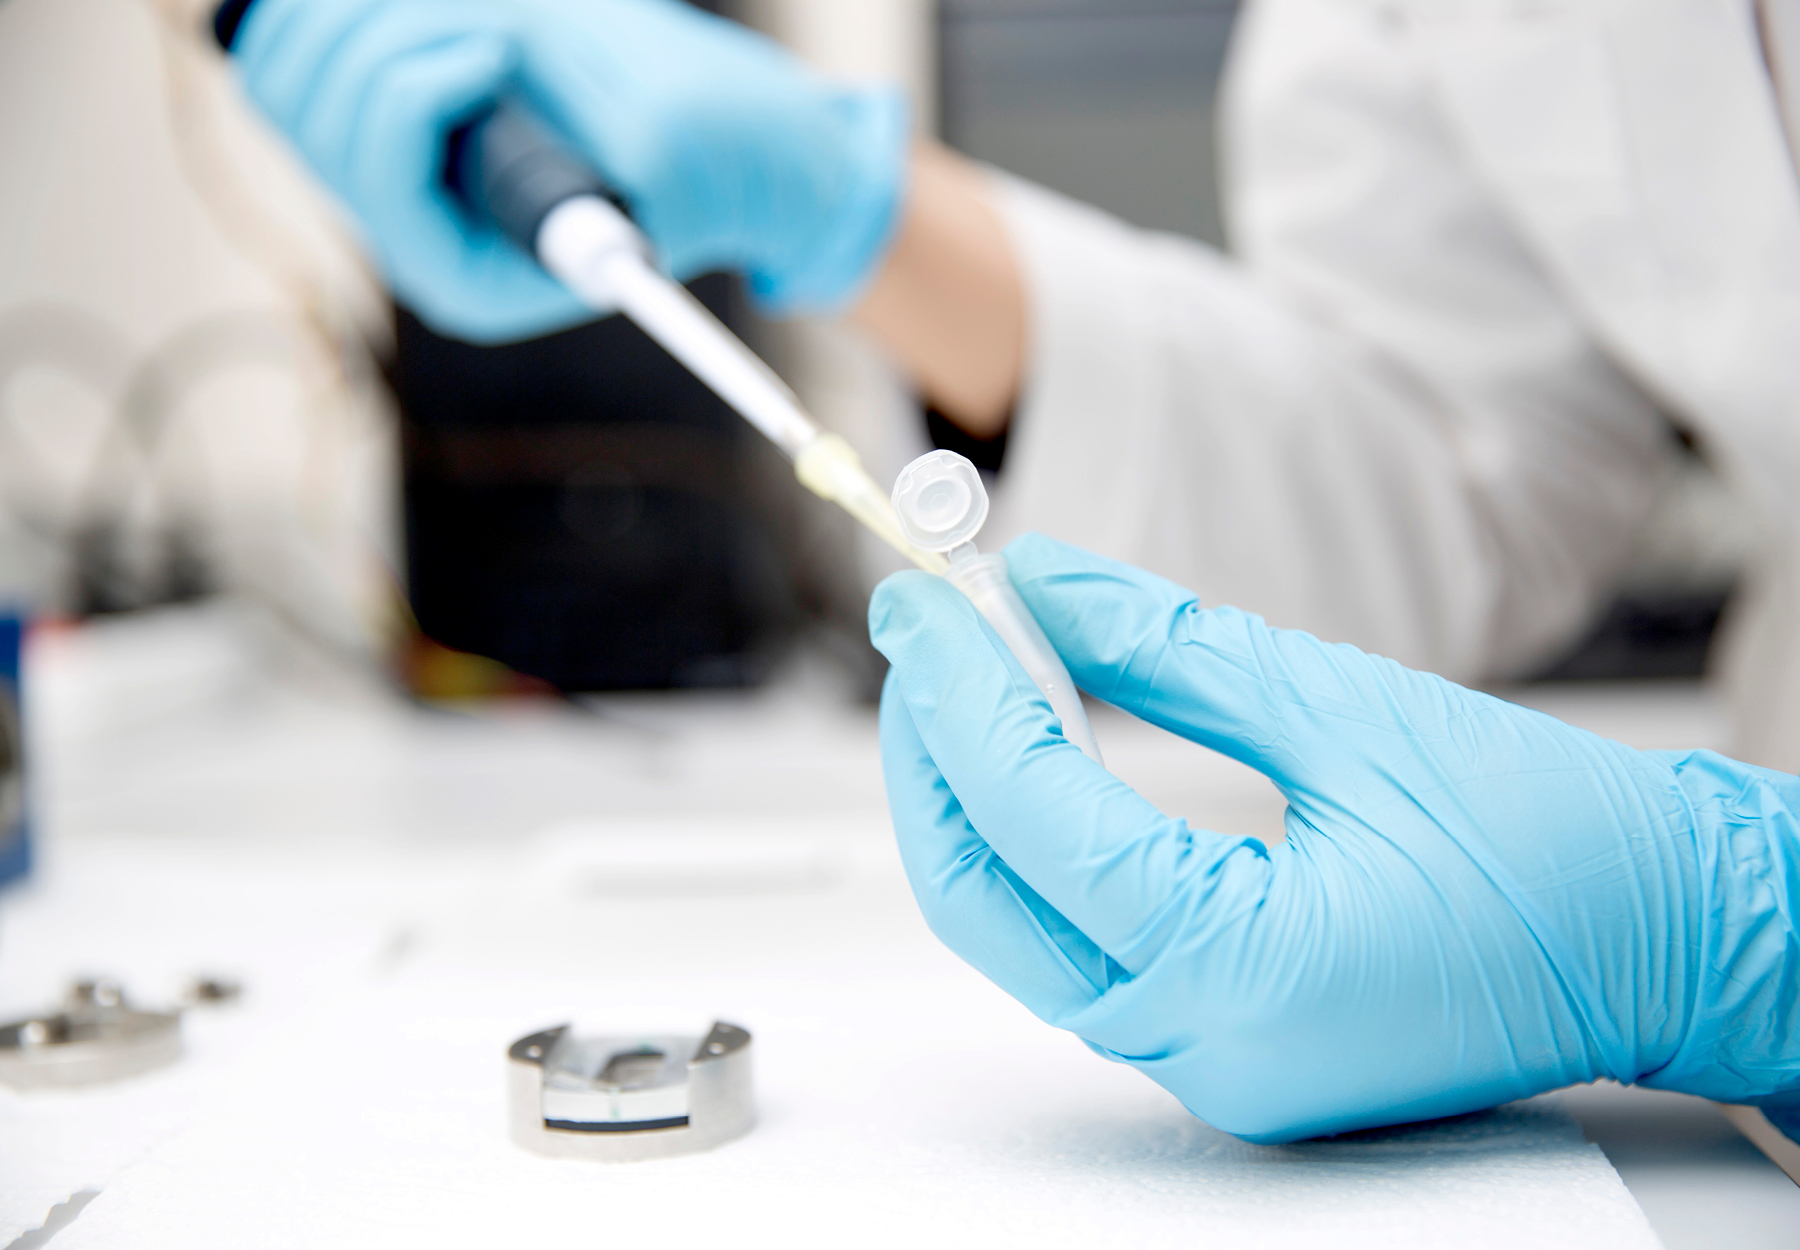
[{"x": 940, "y": 501}]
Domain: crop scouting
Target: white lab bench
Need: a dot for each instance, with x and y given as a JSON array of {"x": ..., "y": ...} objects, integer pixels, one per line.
[{"x": 404, "y": 891}]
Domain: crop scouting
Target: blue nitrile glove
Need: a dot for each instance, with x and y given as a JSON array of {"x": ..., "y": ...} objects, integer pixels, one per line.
[
  {"x": 1474, "y": 902},
  {"x": 728, "y": 151}
]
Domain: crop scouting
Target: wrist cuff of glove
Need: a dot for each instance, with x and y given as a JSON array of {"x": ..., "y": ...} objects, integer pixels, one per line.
[{"x": 831, "y": 273}]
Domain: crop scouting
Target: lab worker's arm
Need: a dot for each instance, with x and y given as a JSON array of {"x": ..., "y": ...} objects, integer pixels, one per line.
[
  {"x": 1179, "y": 412},
  {"x": 948, "y": 299},
  {"x": 1378, "y": 420}
]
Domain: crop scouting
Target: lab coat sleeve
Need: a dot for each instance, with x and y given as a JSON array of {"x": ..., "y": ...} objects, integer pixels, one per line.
[{"x": 1380, "y": 425}]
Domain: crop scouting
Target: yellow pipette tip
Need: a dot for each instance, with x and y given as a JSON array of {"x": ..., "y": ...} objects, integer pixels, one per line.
[{"x": 830, "y": 468}]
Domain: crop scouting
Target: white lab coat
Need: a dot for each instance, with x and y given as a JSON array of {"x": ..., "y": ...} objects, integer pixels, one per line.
[{"x": 1484, "y": 252}]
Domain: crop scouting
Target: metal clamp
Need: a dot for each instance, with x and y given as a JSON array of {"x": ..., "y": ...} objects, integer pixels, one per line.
[
  {"x": 97, "y": 1036},
  {"x": 619, "y": 1099}
]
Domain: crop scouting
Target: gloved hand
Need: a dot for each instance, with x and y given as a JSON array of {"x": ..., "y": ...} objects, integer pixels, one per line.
[
  {"x": 1474, "y": 902},
  {"x": 728, "y": 151}
]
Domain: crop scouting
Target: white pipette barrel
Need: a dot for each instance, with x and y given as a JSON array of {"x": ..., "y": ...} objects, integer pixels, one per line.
[
  {"x": 508, "y": 166},
  {"x": 512, "y": 171},
  {"x": 599, "y": 255}
]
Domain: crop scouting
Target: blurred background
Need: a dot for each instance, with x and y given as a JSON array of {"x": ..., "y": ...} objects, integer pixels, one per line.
[{"x": 203, "y": 391}]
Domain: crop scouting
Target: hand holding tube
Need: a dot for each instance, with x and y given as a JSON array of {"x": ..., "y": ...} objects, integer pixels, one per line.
[{"x": 1474, "y": 902}]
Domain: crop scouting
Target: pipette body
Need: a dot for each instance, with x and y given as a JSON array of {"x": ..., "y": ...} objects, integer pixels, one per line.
[
  {"x": 512, "y": 169},
  {"x": 595, "y": 251}
]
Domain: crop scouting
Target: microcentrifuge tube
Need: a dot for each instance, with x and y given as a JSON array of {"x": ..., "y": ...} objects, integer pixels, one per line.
[{"x": 941, "y": 504}]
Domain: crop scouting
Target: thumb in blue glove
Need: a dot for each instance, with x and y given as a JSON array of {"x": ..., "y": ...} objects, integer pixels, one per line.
[
  {"x": 729, "y": 152},
  {"x": 1474, "y": 902}
]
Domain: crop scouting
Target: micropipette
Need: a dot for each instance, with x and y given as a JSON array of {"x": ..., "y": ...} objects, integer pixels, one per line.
[
  {"x": 549, "y": 203},
  {"x": 508, "y": 166}
]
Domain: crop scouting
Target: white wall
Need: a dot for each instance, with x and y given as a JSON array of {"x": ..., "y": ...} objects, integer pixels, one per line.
[{"x": 155, "y": 239}]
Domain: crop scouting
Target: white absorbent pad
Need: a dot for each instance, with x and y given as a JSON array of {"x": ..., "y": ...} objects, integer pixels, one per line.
[
  {"x": 895, "y": 1111},
  {"x": 904, "y": 1100}
]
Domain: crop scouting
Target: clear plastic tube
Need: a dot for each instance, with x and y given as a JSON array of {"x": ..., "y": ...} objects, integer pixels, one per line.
[
  {"x": 940, "y": 503},
  {"x": 985, "y": 580}
]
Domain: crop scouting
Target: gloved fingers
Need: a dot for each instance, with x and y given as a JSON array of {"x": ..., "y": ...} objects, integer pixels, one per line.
[
  {"x": 283, "y": 46},
  {"x": 976, "y": 905},
  {"x": 1217, "y": 676},
  {"x": 781, "y": 175},
  {"x": 826, "y": 277},
  {"x": 463, "y": 277},
  {"x": 369, "y": 93},
  {"x": 452, "y": 60},
  {"x": 1122, "y": 872},
  {"x": 627, "y": 106}
]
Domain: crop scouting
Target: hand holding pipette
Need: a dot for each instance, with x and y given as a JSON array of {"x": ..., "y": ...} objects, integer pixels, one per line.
[
  {"x": 732, "y": 154},
  {"x": 549, "y": 204},
  {"x": 544, "y": 199},
  {"x": 508, "y": 169}
]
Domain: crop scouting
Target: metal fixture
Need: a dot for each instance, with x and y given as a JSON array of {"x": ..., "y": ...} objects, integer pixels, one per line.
[
  {"x": 619, "y": 1099},
  {"x": 97, "y": 1036}
]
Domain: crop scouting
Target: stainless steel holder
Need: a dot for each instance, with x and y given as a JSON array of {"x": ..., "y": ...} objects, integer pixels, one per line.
[
  {"x": 97, "y": 1036},
  {"x": 619, "y": 1099}
]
